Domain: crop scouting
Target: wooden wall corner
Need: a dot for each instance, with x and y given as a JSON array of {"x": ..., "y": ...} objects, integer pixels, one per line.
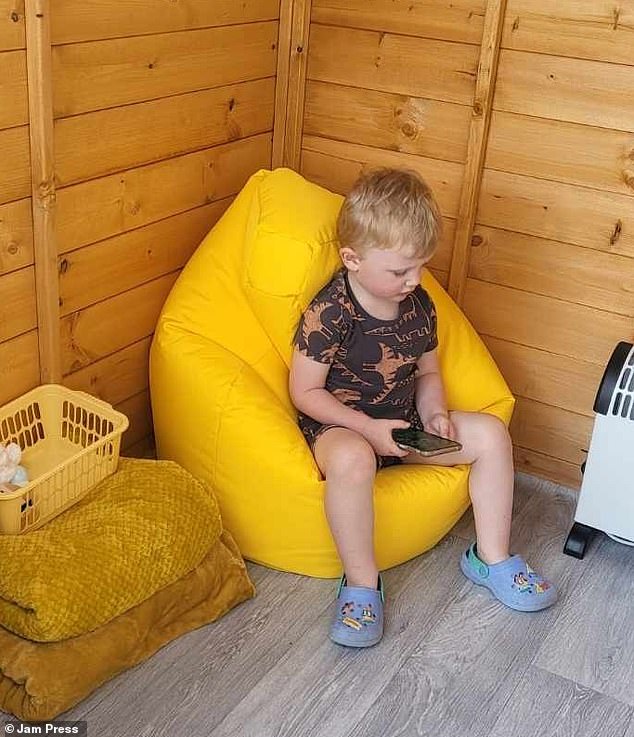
[
  {"x": 477, "y": 145},
  {"x": 40, "y": 97},
  {"x": 290, "y": 90}
]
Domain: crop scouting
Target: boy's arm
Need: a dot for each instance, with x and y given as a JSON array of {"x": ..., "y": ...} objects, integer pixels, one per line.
[
  {"x": 307, "y": 388},
  {"x": 431, "y": 402}
]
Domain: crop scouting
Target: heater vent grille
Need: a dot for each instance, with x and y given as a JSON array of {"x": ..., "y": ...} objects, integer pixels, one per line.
[{"x": 623, "y": 404}]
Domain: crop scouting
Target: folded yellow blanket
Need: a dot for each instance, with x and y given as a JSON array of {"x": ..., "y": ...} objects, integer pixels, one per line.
[
  {"x": 138, "y": 531},
  {"x": 38, "y": 681}
]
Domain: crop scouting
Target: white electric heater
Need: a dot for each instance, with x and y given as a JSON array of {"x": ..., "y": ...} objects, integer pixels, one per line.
[{"x": 606, "y": 499}]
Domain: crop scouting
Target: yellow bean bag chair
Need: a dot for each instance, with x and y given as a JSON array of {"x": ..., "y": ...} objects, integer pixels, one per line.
[{"x": 219, "y": 372}]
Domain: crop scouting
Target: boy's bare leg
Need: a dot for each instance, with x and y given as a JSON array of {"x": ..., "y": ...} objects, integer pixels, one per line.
[
  {"x": 486, "y": 445},
  {"x": 348, "y": 464}
]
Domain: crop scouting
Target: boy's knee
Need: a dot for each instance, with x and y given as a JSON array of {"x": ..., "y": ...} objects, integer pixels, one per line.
[
  {"x": 494, "y": 434},
  {"x": 354, "y": 460}
]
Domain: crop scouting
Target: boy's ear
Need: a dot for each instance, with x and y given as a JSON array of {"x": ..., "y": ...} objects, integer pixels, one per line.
[{"x": 350, "y": 258}]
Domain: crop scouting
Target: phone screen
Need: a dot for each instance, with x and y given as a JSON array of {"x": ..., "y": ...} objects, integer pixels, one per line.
[{"x": 422, "y": 442}]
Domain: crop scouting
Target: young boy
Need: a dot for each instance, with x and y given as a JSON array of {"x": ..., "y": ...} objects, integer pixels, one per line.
[{"x": 365, "y": 363}]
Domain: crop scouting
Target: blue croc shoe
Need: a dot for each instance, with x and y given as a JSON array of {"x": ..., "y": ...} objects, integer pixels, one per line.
[
  {"x": 358, "y": 620},
  {"x": 512, "y": 581}
]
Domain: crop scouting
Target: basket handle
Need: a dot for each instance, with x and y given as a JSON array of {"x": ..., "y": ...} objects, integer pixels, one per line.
[
  {"x": 100, "y": 403},
  {"x": 92, "y": 398}
]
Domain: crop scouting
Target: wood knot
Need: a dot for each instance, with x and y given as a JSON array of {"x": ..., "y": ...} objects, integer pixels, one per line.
[
  {"x": 616, "y": 233},
  {"x": 13, "y": 248},
  {"x": 616, "y": 14},
  {"x": 409, "y": 130},
  {"x": 15, "y": 17},
  {"x": 477, "y": 240},
  {"x": 46, "y": 194},
  {"x": 478, "y": 109},
  {"x": 628, "y": 177},
  {"x": 64, "y": 265},
  {"x": 46, "y": 188}
]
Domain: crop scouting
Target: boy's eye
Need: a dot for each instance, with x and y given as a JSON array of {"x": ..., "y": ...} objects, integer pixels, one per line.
[{"x": 399, "y": 273}]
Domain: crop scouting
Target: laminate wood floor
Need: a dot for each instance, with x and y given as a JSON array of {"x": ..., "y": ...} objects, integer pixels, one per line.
[{"x": 453, "y": 662}]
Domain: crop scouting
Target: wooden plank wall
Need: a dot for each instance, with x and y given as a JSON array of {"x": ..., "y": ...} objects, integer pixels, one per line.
[
  {"x": 551, "y": 277},
  {"x": 19, "y": 358},
  {"x": 162, "y": 110},
  {"x": 551, "y": 272},
  {"x": 392, "y": 83},
  {"x": 161, "y": 113}
]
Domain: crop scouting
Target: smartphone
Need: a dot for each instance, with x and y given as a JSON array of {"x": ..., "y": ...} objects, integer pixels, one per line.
[{"x": 424, "y": 443}]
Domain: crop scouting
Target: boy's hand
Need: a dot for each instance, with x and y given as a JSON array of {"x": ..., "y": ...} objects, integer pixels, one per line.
[
  {"x": 379, "y": 434},
  {"x": 440, "y": 424}
]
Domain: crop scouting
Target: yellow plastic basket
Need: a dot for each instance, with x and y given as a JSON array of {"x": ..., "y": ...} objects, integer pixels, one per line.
[{"x": 70, "y": 442}]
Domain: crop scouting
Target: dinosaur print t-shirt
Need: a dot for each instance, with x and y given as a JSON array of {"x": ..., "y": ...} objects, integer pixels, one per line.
[{"x": 372, "y": 361}]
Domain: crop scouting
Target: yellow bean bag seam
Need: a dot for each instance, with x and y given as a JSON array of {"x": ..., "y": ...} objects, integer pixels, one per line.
[
  {"x": 221, "y": 414},
  {"x": 252, "y": 285}
]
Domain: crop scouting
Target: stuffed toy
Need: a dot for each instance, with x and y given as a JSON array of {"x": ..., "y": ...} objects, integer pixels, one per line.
[{"x": 11, "y": 472}]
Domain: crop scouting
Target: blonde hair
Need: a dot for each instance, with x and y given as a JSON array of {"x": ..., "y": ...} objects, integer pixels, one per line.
[{"x": 390, "y": 209}]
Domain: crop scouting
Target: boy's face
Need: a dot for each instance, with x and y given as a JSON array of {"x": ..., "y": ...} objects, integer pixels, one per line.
[{"x": 384, "y": 274}]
